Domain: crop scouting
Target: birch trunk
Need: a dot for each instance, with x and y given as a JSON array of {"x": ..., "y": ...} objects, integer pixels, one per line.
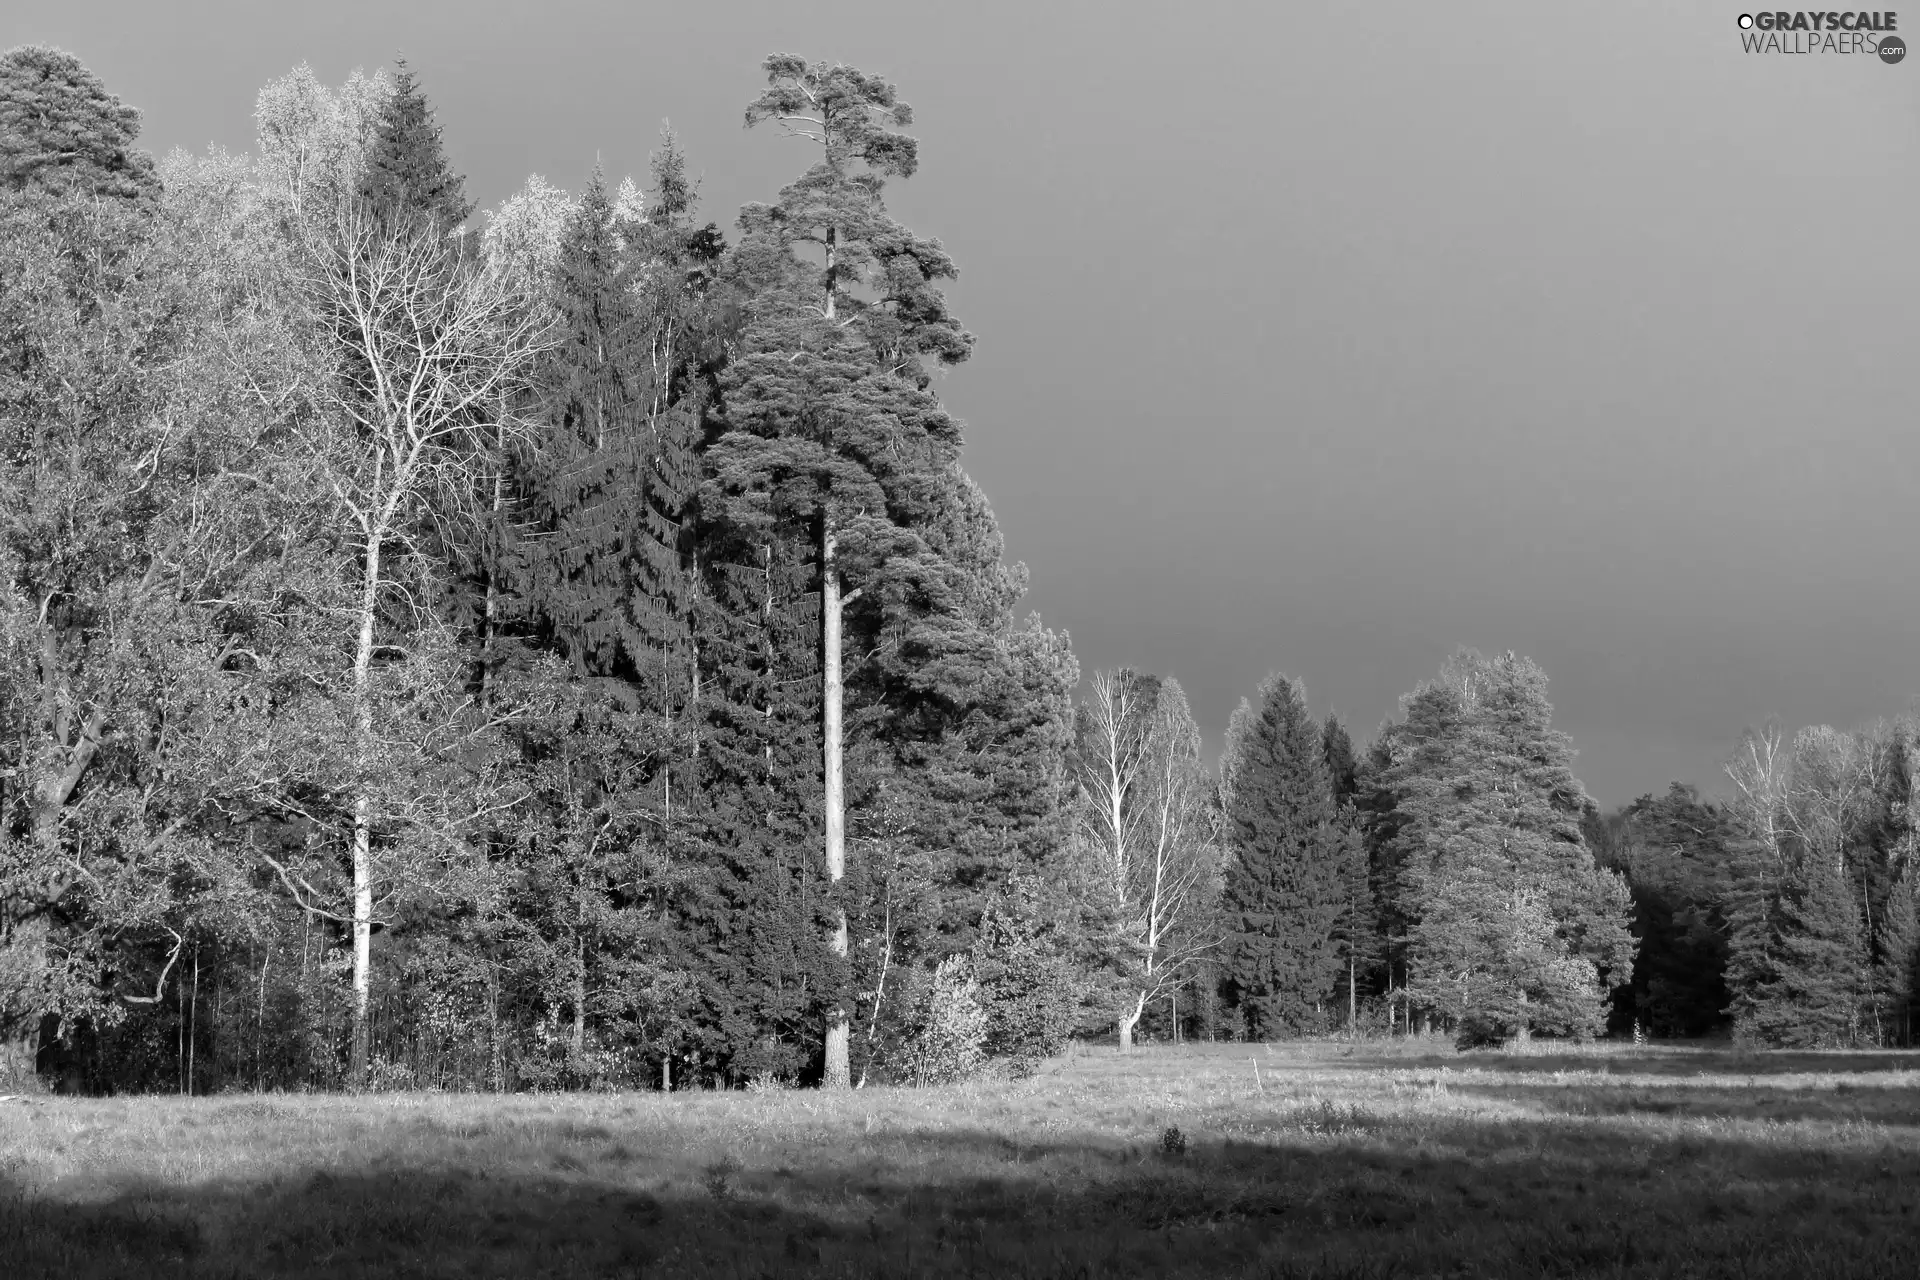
[
  {"x": 363, "y": 818},
  {"x": 1128, "y": 1021}
]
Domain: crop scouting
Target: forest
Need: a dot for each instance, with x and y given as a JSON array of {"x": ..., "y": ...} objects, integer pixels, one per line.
[{"x": 559, "y": 647}]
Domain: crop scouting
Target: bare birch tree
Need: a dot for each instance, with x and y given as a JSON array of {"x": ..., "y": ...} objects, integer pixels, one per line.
[
  {"x": 1759, "y": 772},
  {"x": 1147, "y": 809},
  {"x": 434, "y": 351}
]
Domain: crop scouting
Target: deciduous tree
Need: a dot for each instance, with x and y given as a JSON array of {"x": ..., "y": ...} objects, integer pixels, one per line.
[
  {"x": 1151, "y": 826},
  {"x": 435, "y": 354}
]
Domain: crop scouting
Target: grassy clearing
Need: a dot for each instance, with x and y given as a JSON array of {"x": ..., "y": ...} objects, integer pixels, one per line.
[{"x": 1356, "y": 1161}]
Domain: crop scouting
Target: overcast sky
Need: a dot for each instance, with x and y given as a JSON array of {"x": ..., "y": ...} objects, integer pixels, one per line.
[{"x": 1313, "y": 341}]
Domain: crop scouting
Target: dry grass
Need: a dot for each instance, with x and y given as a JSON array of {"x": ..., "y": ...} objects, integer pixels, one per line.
[{"x": 1354, "y": 1161}]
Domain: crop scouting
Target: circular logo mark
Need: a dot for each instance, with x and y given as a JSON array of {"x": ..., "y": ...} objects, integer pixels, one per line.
[
  {"x": 1892, "y": 49},
  {"x": 1746, "y": 21}
]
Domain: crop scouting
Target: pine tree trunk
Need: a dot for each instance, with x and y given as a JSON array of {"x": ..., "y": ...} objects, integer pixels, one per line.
[
  {"x": 363, "y": 821},
  {"x": 838, "y": 1074},
  {"x": 833, "y": 266},
  {"x": 1353, "y": 1000}
]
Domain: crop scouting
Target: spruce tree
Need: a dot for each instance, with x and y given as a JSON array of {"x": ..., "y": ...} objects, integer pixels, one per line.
[
  {"x": 594, "y": 570},
  {"x": 406, "y": 174},
  {"x": 1808, "y": 995},
  {"x": 1897, "y": 969},
  {"x": 1283, "y": 892},
  {"x": 1342, "y": 767},
  {"x": 608, "y": 478}
]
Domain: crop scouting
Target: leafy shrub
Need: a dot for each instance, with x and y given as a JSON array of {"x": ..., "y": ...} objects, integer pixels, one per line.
[
  {"x": 385, "y": 1076},
  {"x": 767, "y": 1063},
  {"x": 1027, "y": 984},
  {"x": 949, "y": 1026}
]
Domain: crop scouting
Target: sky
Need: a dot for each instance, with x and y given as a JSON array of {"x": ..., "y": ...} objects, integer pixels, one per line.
[{"x": 1312, "y": 338}]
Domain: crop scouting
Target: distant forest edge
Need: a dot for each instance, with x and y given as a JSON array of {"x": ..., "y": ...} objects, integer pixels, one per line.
[{"x": 561, "y": 648}]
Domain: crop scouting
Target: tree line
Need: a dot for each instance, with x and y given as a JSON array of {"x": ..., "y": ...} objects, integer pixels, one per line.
[
  {"x": 559, "y": 646},
  {"x": 1785, "y": 915}
]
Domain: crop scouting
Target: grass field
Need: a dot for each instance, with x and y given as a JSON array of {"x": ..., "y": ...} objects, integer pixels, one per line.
[{"x": 1337, "y": 1160}]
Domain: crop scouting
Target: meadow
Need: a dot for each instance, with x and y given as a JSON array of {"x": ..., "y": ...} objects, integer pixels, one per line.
[{"x": 1200, "y": 1160}]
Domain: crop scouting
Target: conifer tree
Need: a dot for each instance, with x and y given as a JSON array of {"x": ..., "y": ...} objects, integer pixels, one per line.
[
  {"x": 836, "y": 446},
  {"x": 1356, "y": 924},
  {"x": 1403, "y": 758},
  {"x": 593, "y": 559},
  {"x": 1359, "y": 924},
  {"x": 608, "y": 477},
  {"x": 1826, "y": 828},
  {"x": 63, "y": 135},
  {"x": 1804, "y": 988},
  {"x": 1512, "y": 927},
  {"x": 1342, "y": 767},
  {"x": 1677, "y": 856},
  {"x": 406, "y": 174},
  {"x": 1896, "y": 975},
  {"x": 1283, "y": 892}
]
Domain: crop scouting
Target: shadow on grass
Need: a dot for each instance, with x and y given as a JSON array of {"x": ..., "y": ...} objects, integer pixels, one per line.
[
  {"x": 1656, "y": 1062},
  {"x": 1382, "y": 1198},
  {"x": 1625, "y": 1096}
]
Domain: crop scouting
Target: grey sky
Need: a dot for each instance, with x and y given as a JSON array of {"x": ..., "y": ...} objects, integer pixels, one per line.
[{"x": 1320, "y": 341}]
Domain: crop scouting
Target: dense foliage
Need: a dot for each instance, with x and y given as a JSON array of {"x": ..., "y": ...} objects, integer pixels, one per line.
[{"x": 567, "y": 650}]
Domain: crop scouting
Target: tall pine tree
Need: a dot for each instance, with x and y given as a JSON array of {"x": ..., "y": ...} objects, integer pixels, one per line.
[
  {"x": 62, "y": 134},
  {"x": 837, "y": 450}
]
